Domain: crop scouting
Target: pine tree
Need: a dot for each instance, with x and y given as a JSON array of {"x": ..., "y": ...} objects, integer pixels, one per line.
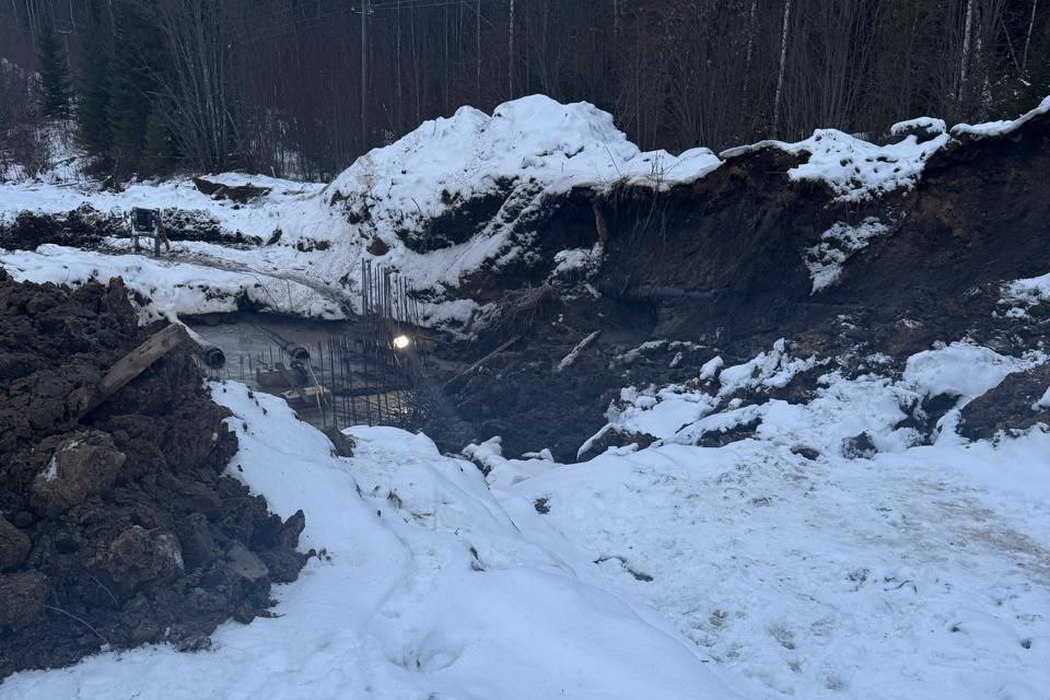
[
  {"x": 159, "y": 150},
  {"x": 54, "y": 78},
  {"x": 92, "y": 113},
  {"x": 132, "y": 85}
]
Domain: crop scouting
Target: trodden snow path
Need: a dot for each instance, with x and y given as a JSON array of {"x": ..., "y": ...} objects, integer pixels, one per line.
[{"x": 426, "y": 589}]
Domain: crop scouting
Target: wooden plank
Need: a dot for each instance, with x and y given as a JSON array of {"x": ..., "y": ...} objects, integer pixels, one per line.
[
  {"x": 575, "y": 352},
  {"x": 483, "y": 360},
  {"x": 128, "y": 368}
]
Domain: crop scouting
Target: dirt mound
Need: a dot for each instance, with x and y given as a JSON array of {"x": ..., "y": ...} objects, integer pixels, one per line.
[
  {"x": 722, "y": 263},
  {"x": 118, "y": 529}
]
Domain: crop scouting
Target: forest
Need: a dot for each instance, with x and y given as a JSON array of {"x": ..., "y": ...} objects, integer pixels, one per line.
[{"x": 300, "y": 88}]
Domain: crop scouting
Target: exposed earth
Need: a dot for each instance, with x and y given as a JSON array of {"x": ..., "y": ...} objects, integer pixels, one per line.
[
  {"x": 121, "y": 528},
  {"x": 719, "y": 268}
]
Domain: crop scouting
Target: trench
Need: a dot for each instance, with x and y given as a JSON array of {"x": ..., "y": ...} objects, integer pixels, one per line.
[{"x": 335, "y": 374}]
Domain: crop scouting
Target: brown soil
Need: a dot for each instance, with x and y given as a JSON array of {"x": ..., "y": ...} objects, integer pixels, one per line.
[
  {"x": 721, "y": 263},
  {"x": 120, "y": 529}
]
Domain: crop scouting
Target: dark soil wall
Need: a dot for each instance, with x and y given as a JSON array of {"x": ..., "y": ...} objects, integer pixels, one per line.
[
  {"x": 721, "y": 263},
  {"x": 118, "y": 529}
]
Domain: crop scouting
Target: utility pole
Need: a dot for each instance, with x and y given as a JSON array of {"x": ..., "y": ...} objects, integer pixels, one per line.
[{"x": 364, "y": 74}]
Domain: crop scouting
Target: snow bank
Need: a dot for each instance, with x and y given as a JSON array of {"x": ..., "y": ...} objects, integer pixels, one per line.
[
  {"x": 960, "y": 369},
  {"x": 533, "y": 143},
  {"x": 1002, "y": 127},
  {"x": 160, "y": 287},
  {"x": 424, "y": 588},
  {"x": 929, "y": 125},
  {"x": 852, "y": 168}
]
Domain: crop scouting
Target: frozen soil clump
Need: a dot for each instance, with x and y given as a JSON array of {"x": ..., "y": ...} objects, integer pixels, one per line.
[{"x": 120, "y": 528}]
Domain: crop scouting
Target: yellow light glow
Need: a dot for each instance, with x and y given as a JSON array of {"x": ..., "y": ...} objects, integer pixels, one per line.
[{"x": 401, "y": 342}]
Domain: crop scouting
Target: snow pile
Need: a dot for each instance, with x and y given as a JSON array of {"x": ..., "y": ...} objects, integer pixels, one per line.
[
  {"x": 929, "y": 125},
  {"x": 533, "y": 145},
  {"x": 1028, "y": 292},
  {"x": 489, "y": 177},
  {"x": 961, "y": 369},
  {"x": 1002, "y": 127},
  {"x": 852, "y": 168},
  {"x": 424, "y": 587},
  {"x": 681, "y": 412},
  {"x": 838, "y": 244}
]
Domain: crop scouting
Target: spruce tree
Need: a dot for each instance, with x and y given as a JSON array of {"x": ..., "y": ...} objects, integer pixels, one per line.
[
  {"x": 54, "y": 77},
  {"x": 92, "y": 113}
]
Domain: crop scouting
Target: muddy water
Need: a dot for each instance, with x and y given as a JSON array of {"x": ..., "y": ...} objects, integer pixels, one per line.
[{"x": 351, "y": 376}]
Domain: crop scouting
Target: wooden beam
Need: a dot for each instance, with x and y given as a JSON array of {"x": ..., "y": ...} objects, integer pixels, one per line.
[
  {"x": 482, "y": 361},
  {"x": 127, "y": 368}
]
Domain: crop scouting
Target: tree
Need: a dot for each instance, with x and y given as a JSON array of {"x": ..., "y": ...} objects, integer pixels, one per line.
[
  {"x": 92, "y": 109},
  {"x": 54, "y": 77}
]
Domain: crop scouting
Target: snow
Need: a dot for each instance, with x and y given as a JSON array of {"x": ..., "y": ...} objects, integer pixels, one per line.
[
  {"x": 852, "y": 168},
  {"x": 920, "y": 572},
  {"x": 961, "y": 369},
  {"x": 577, "y": 259},
  {"x": 169, "y": 286},
  {"x": 928, "y": 124},
  {"x": 1044, "y": 402},
  {"x": 756, "y": 569},
  {"x": 426, "y": 589},
  {"x": 51, "y": 472},
  {"x": 837, "y": 245},
  {"x": 533, "y": 141},
  {"x": 778, "y": 565},
  {"x": 1029, "y": 291},
  {"x": 1002, "y": 127},
  {"x": 509, "y": 164}
]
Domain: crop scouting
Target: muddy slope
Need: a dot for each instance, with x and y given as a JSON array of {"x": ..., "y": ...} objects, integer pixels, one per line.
[
  {"x": 721, "y": 264},
  {"x": 119, "y": 529}
]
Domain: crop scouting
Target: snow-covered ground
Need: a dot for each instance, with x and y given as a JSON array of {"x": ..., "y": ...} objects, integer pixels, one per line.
[
  {"x": 425, "y": 588},
  {"x": 835, "y": 550},
  {"x": 382, "y": 209},
  {"x": 787, "y": 564}
]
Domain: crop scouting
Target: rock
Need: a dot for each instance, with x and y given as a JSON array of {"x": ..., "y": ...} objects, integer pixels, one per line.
[
  {"x": 22, "y": 597},
  {"x": 1011, "y": 406},
  {"x": 139, "y": 555},
  {"x": 79, "y": 465},
  {"x": 241, "y": 194},
  {"x": 860, "y": 446},
  {"x": 613, "y": 438},
  {"x": 244, "y": 562},
  {"x": 378, "y": 247},
  {"x": 14, "y": 546},
  {"x": 806, "y": 452},
  {"x": 343, "y": 445}
]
